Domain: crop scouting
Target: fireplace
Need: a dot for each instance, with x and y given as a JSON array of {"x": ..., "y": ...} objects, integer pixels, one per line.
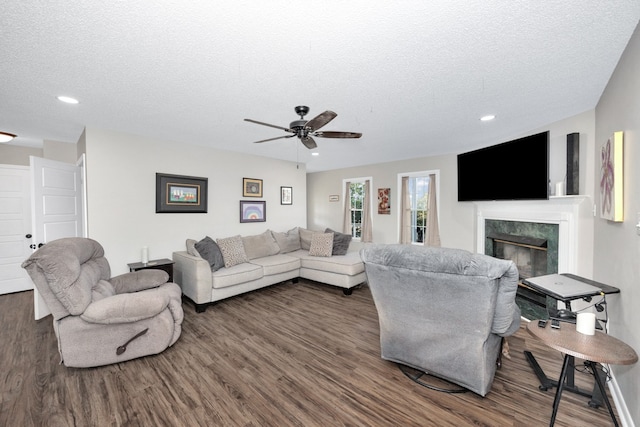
[
  {"x": 528, "y": 253},
  {"x": 533, "y": 248},
  {"x": 541, "y": 237}
]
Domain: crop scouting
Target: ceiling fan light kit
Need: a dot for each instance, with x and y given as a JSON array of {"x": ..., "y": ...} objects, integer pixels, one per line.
[
  {"x": 6, "y": 137},
  {"x": 305, "y": 130}
]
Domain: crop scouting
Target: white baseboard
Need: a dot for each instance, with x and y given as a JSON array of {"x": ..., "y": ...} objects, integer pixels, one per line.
[{"x": 623, "y": 411}]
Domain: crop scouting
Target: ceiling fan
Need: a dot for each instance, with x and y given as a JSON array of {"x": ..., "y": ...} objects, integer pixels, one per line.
[{"x": 306, "y": 129}]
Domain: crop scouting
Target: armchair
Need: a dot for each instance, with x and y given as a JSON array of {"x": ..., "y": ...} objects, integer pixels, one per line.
[
  {"x": 443, "y": 311},
  {"x": 98, "y": 319}
]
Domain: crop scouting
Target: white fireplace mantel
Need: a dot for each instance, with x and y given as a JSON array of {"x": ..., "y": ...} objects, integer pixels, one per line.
[{"x": 572, "y": 214}]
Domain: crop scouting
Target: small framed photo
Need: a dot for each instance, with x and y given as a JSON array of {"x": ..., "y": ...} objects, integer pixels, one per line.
[
  {"x": 251, "y": 187},
  {"x": 286, "y": 195},
  {"x": 180, "y": 194},
  {"x": 253, "y": 211}
]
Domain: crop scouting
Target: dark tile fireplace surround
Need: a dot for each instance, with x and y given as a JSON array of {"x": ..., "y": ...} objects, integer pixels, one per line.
[{"x": 533, "y": 247}]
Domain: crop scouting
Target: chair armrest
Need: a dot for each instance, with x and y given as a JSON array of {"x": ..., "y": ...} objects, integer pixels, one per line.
[
  {"x": 193, "y": 274},
  {"x": 139, "y": 280},
  {"x": 127, "y": 308},
  {"x": 506, "y": 319}
]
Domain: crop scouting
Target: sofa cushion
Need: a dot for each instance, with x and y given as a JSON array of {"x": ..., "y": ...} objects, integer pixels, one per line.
[
  {"x": 305, "y": 237},
  {"x": 260, "y": 245},
  {"x": 236, "y": 275},
  {"x": 277, "y": 264},
  {"x": 288, "y": 241},
  {"x": 349, "y": 264},
  {"x": 209, "y": 250},
  {"x": 191, "y": 247},
  {"x": 232, "y": 250},
  {"x": 341, "y": 242},
  {"x": 321, "y": 244}
]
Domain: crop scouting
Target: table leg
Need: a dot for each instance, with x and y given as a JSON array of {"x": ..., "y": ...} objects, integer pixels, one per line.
[
  {"x": 556, "y": 400},
  {"x": 594, "y": 369}
]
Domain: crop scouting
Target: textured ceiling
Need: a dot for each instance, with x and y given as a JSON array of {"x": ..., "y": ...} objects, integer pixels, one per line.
[{"x": 414, "y": 76}]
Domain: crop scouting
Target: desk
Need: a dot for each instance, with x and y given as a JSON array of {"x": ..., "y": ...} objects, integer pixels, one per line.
[
  {"x": 606, "y": 289},
  {"x": 547, "y": 383},
  {"x": 598, "y": 348}
]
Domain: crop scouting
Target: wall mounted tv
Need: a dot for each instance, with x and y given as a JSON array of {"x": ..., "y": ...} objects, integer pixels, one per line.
[{"x": 513, "y": 170}]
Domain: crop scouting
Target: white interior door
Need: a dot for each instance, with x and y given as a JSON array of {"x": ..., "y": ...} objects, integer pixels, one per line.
[
  {"x": 15, "y": 228},
  {"x": 57, "y": 191}
]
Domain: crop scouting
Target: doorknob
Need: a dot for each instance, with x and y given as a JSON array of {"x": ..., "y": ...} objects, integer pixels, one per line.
[{"x": 28, "y": 236}]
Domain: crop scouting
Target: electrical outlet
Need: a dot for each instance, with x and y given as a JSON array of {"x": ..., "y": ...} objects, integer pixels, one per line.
[{"x": 595, "y": 210}]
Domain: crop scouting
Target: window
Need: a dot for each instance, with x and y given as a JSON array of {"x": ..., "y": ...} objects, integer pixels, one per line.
[
  {"x": 419, "y": 200},
  {"x": 419, "y": 219},
  {"x": 357, "y": 208},
  {"x": 356, "y": 201}
]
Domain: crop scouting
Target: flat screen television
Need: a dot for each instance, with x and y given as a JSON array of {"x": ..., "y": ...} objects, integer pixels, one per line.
[{"x": 513, "y": 170}]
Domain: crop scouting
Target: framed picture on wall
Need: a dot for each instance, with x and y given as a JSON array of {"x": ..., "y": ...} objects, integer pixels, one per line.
[
  {"x": 286, "y": 195},
  {"x": 253, "y": 211},
  {"x": 181, "y": 194},
  {"x": 251, "y": 187}
]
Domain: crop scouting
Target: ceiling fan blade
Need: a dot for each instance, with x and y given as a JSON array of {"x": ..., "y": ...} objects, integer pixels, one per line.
[
  {"x": 273, "y": 139},
  {"x": 334, "y": 134},
  {"x": 309, "y": 142},
  {"x": 320, "y": 120},
  {"x": 267, "y": 124}
]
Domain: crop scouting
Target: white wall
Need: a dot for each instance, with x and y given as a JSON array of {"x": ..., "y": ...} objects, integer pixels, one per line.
[
  {"x": 121, "y": 177},
  {"x": 457, "y": 220},
  {"x": 617, "y": 245}
]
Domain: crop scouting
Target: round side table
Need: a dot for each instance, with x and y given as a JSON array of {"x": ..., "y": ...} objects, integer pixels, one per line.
[{"x": 598, "y": 348}]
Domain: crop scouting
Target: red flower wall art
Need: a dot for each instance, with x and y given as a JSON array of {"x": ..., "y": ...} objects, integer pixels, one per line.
[{"x": 384, "y": 207}]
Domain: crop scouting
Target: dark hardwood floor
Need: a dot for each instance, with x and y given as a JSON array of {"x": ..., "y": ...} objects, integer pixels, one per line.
[{"x": 288, "y": 355}]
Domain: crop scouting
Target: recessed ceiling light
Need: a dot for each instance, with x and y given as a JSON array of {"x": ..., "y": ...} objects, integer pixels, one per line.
[
  {"x": 315, "y": 154},
  {"x": 487, "y": 118},
  {"x": 6, "y": 137},
  {"x": 68, "y": 99}
]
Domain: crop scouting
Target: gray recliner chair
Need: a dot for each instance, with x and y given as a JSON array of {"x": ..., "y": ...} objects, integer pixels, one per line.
[
  {"x": 443, "y": 311},
  {"x": 99, "y": 319}
]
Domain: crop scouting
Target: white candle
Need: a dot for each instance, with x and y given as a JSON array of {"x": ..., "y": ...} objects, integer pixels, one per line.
[
  {"x": 586, "y": 323},
  {"x": 145, "y": 254},
  {"x": 560, "y": 188}
]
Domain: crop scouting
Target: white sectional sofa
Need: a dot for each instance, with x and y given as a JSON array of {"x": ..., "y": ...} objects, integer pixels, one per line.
[{"x": 270, "y": 258}]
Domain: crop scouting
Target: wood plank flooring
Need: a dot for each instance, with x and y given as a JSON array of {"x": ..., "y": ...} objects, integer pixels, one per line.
[{"x": 288, "y": 355}]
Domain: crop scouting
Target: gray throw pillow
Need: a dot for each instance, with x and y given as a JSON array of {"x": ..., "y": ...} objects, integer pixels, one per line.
[
  {"x": 341, "y": 242},
  {"x": 209, "y": 250},
  {"x": 191, "y": 248},
  {"x": 260, "y": 245},
  {"x": 289, "y": 241},
  {"x": 305, "y": 237}
]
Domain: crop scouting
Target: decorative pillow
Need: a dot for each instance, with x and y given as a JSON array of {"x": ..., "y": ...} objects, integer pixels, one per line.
[
  {"x": 191, "y": 247},
  {"x": 305, "y": 237},
  {"x": 260, "y": 245},
  {"x": 232, "y": 250},
  {"x": 209, "y": 250},
  {"x": 289, "y": 241},
  {"x": 321, "y": 244},
  {"x": 341, "y": 242}
]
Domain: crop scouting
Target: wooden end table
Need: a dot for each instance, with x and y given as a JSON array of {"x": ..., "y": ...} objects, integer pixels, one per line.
[
  {"x": 598, "y": 348},
  {"x": 158, "y": 264}
]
